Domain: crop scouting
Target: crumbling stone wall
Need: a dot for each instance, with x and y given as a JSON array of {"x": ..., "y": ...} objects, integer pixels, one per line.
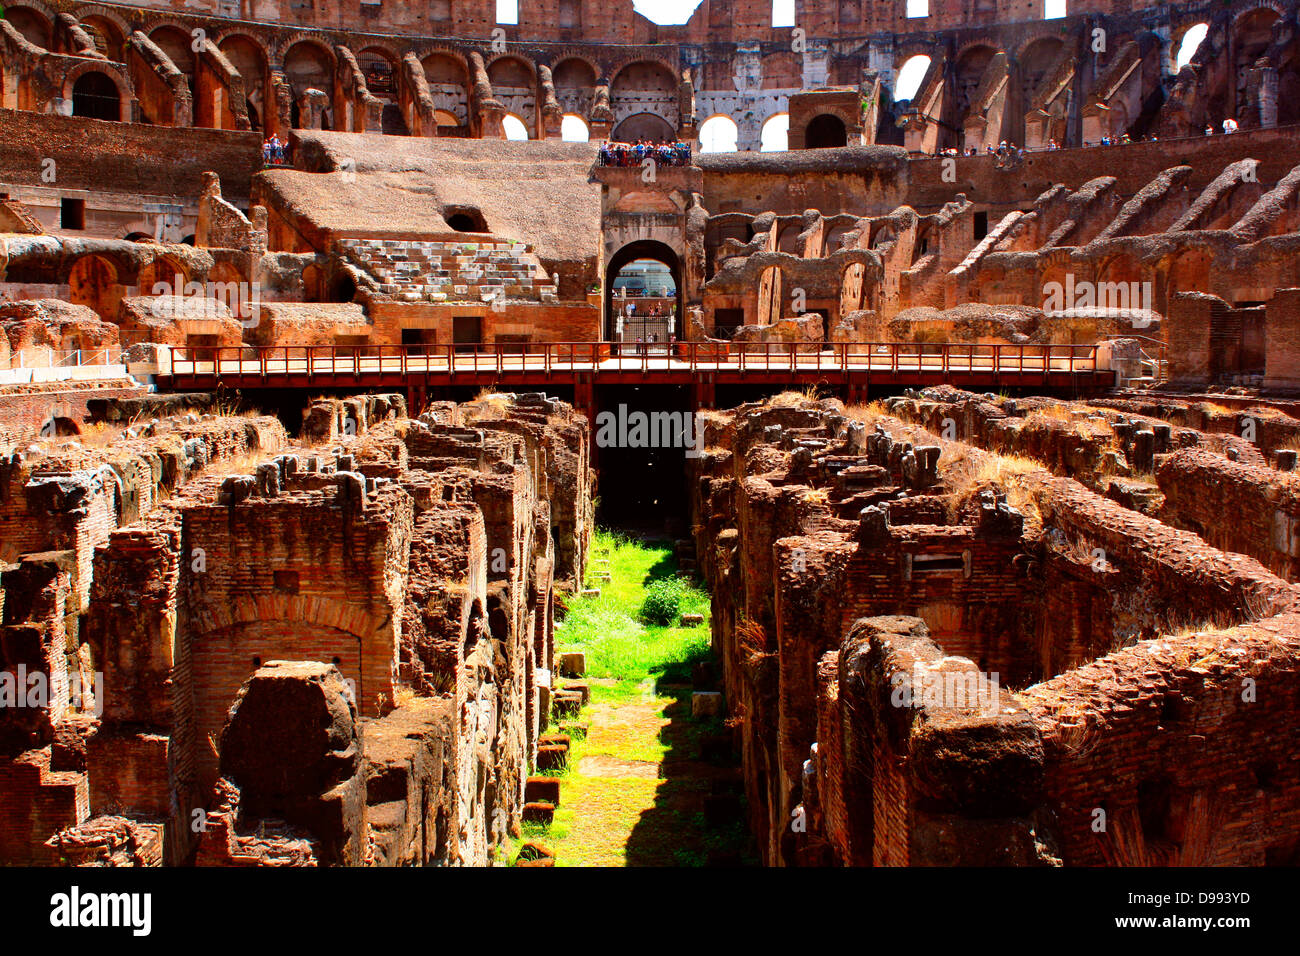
[
  {"x": 862, "y": 570},
  {"x": 397, "y": 574}
]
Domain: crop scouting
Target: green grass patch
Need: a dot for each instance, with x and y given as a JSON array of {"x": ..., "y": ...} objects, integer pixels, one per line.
[
  {"x": 639, "y": 800},
  {"x": 610, "y": 629}
]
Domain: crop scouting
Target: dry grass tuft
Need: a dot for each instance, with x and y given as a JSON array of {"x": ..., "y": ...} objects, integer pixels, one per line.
[
  {"x": 868, "y": 413},
  {"x": 751, "y": 640},
  {"x": 968, "y": 472},
  {"x": 99, "y": 435}
]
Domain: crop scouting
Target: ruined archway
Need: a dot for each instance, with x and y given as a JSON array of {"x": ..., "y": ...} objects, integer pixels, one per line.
[
  {"x": 719, "y": 134},
  {"x": 775, "y": 135},
  {"x": 32, "y": 24},
  {"x": 107, "y": 35},
  {"x": 250, "y": 60},
  {"x": 449, "y": 85},
  {"x": 515, "y": 87},
  {"x": 642, "y": 88},
  {"x": 93, "y": 281},
  {"x": 310, "y": 71},
  {"x": 575, "y": 85}
]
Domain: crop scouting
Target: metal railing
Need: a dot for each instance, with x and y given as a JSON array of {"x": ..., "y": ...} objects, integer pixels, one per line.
[
  {"x": 1154, "y": 356},
  {"x": 322, "y": 362},
  {"x": 65, "y": 358}
]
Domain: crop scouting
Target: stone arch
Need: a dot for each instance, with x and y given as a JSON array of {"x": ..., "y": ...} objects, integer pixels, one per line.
[
  {"x": 107, "y": 14},
  {"x": 1053, "y": 271},
  {"x": 880, "y": 233},
  {"x": 96, "y": 91},
  {"x": 788, "y": 238},
  {"x": 1252, "y": 35},
  {"x": 1120, "y": 283},
  {"x": 574, "y": 79},
  {"x": 512, "y": 67},
  {"x": 774, "y": 134},
  {"x": 515, "y": 127},
  {"x": 34, "y": 21},
  {"x": 310, "y": 65},
  {"x": 719, "y": 134},
  {"x": 574, "y": 129},
  {"x": 174, "y": 40},
  {"x": 110, "y": 39},
  {"x": 910, "y": 64},
  {"x": 630, "y": 252},
  {"x": 1035, "y": 36},
  {"x": 852, "y": 287},
  {"x": 514, "y": 85},
  {"x": 379, "y": 69},
  {"x": 968, "y": 72},
  {"x": 1035, "y": 61},
  {"x": 162, "y": 269},
  {"x": 94, "y": 281},
  {"x": 250, "y": 59},
  {"x": 645, "y": 86},
  {"x": 1248, "y": 9},
  {"x": 225, "y": 272},
  {"x": 835, "y": 233},
  {"x": 925, "y": 234},
  {"x": 448, "y": 77}
]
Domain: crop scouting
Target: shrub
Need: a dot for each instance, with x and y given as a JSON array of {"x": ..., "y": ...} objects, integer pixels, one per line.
[{"x": 663, "y": 602}]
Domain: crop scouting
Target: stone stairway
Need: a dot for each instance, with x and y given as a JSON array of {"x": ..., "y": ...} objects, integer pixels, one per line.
[{"x": 418, "y": 271}]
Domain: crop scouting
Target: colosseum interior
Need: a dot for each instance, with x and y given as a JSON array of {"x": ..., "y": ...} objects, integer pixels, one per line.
[{"x": 945, "y": 354}]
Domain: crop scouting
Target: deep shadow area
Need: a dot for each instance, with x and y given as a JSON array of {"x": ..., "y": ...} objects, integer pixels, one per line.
[{"x": 641, "y": 458}]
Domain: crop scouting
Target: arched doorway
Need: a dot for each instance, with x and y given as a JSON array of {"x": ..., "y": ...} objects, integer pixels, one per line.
[
  {"x": 825, "y": 131},
  {"x": 95, "y": 96},
  {"x": 640, "y": 267}
]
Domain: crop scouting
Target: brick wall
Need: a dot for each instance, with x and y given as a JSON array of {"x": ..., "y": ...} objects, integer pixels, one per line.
[{"x": 125, "y": 157}]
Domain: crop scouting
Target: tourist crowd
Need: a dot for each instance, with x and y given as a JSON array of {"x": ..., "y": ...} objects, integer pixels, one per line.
[
  {"x": 634, "y": 154},
  {"x": 274, "y": 152}
]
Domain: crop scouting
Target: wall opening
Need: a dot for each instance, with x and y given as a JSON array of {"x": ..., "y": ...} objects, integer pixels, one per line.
[
  {"x": 95, "y": 96},
  {"x": 825, "y": 132}
]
